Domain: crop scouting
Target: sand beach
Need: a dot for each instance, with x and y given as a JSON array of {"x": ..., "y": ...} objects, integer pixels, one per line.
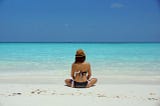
[{"x": 31, "y": 92}]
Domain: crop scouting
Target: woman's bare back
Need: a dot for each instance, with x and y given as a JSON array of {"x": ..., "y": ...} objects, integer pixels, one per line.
[{"x": 81, "y": 71}]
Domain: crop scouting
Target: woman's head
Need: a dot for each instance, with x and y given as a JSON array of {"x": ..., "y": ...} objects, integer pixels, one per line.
[{"x": 80, "y": 56}]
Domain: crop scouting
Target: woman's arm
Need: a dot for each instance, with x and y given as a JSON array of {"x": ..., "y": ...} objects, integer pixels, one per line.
[
  {"x": 72, "y": 72},
  {"x": 89, "y": 72}
]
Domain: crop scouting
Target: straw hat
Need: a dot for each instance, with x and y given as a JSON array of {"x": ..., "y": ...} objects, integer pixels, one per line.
[{"x": 80, "y": 53}]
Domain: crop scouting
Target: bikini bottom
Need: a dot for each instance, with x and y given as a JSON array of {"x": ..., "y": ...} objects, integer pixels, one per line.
[{"x": 80, "y": 84}]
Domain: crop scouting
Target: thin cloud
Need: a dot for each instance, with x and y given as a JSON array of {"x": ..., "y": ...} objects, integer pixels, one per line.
[
  {"x": 117, "y": 5},
  {"x": 66, "y": 25}
]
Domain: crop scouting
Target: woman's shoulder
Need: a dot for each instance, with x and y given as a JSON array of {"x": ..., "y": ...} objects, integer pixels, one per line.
[{"x": 87, "y": 63}]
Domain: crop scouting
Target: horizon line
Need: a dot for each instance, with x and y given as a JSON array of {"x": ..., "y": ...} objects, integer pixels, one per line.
[{"x": 82, "y": 42}]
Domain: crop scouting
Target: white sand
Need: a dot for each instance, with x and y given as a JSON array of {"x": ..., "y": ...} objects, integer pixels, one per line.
[
  {"x": 60, "y": 95},
  {"x": 50, "y": 91}
]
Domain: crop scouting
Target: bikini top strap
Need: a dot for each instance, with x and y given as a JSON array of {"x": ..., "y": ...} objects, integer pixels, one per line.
[{"x": 81, "y": 73}]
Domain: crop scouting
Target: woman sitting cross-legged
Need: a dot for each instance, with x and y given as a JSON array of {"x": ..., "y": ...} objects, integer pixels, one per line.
[{"x": 81, "y": 72}]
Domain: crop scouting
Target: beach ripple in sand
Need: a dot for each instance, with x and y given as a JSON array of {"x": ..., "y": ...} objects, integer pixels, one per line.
[
  {"x": 151, "y": 96},
  {"x": 100, "y": 95}
]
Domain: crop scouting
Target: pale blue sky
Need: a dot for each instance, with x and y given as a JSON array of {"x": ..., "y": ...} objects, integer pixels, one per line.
[{"x": 79, "y": 21}]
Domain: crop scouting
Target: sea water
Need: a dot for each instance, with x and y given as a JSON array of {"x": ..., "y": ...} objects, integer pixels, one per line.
[{"x": 106, "y": 59}]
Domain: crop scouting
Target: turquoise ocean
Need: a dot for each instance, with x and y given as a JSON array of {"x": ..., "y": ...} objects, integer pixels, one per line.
[{"x": 106, "y": 59}]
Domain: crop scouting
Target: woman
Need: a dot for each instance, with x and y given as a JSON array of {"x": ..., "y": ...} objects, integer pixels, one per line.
[{"x": 81, "y": 72}]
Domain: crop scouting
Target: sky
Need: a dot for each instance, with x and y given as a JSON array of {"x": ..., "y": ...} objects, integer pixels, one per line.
[{"x": 79, "y": 20}]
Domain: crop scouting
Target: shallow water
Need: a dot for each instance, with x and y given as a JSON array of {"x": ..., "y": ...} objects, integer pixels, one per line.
[{"x": 107, "y": 59}]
